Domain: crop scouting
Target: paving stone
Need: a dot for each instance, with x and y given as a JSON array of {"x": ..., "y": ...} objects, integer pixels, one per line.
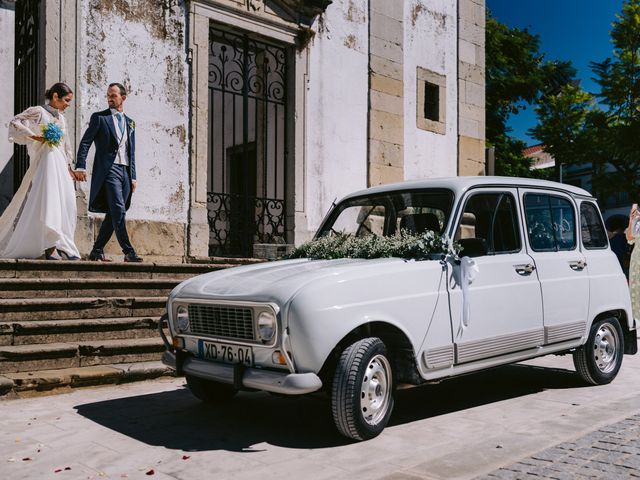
[{"x": 609, "y": 452}]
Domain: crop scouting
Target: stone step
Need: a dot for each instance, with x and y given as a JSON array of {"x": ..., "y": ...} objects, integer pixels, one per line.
[
  {"x": 63, "y": 331},
  {"x": 39, "y": 309},
  {"x": 14, "y": 288},
  {"x": 27, "y": 358},
  {"x": 85, "y": 269},
  {"x": 62, "y": 380}
]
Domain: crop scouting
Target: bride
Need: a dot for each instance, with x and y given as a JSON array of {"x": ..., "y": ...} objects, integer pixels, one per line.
[{"x": 41, "y": 218}]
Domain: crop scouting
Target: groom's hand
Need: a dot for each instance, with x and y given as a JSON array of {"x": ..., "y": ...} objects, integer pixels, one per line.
[
  {"x": 80, "y": 176},
  {"x": 134, "y": 184}
]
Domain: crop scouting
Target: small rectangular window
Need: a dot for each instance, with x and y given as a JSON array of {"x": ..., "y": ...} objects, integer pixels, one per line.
[
  {"x": 431, "y": 102},
  {"x": 431, "y": 97}
]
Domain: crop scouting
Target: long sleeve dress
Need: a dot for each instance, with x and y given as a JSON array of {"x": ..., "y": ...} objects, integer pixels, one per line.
[{"x": 42, "y": 213}]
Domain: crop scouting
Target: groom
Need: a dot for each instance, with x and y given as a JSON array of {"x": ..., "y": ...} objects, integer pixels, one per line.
[{"x": 113, "y": 178}]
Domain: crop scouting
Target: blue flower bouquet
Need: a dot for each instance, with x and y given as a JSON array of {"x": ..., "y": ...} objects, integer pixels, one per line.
[{"x": 52, "y": 134}]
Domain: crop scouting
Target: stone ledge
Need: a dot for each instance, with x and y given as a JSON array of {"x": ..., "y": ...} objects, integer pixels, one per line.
[{"x": 25, "y": 384}]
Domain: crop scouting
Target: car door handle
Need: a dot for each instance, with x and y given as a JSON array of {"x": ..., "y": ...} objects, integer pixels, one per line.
[
  {"x": 526, "y": 269},
  {"x": 578, "y": 266}
]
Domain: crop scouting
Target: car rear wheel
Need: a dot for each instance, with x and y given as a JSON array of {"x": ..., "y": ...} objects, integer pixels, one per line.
[
  {"x": 209, "y": 391},
  {"x": 599, "y": 360},
  {"x": 362, "y": 390}
]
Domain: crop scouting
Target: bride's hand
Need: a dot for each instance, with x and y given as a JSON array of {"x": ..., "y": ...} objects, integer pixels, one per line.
[{"x": 37, "y": 138}]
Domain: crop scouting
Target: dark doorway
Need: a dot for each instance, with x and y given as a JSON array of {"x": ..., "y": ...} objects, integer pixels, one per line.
[{"x": 247, "y": 142}]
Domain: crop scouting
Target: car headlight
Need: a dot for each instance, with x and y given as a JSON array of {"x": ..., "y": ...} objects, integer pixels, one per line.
[
  {"x": 266, "y": 325},
  {"x": 182, "y": 318}
]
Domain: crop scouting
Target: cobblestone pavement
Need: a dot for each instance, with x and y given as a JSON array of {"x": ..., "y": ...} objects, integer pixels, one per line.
[
  {"x": 457, "y": 430},
  {"x": 611, "y": 452}
]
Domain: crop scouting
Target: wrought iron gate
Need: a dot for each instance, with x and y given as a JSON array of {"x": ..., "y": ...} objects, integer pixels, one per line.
[
  {"x": 247, "y": 142},
  {"x": 26, "y": 73}
]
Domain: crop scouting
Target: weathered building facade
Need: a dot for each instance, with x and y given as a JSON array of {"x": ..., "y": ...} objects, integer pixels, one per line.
[{"x": 252, "y": 116}]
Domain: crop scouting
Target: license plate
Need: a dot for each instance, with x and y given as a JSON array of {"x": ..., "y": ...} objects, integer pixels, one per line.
[{"x": 223, "y": 352}]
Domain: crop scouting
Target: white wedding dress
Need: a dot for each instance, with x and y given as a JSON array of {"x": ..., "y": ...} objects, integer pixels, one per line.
[{"x": 42, "y": 213}]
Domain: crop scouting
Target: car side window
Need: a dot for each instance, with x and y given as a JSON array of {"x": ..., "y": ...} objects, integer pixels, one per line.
[
  {"x": 492, "y": 220},
  {"x": 591, "y": 228},
  {"x": 550, "y": 222}
]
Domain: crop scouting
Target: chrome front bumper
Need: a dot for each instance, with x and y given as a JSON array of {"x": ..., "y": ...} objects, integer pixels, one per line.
[{"x": 254, "y": 378}]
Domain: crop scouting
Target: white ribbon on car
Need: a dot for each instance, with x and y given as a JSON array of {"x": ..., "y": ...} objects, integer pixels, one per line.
[{"x": 468, "y": 272}]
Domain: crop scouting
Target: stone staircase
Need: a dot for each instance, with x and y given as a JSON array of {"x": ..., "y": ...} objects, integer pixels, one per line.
[{"x": 69, "y": 324}]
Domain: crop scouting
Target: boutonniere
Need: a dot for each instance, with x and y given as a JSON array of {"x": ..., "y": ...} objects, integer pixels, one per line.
[{"x": 132, "y": 125}]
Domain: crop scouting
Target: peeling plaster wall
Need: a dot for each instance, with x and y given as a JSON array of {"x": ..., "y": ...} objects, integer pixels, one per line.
[
  {"x": 430, "y": 41},
  {"x": 7, "y": 18},
  {"x": 140, "y": 43},
  {"x": 337, "y": 102}
]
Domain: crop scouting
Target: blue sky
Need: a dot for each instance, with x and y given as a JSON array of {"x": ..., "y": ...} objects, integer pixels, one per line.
[{"x": 576, "y": 30}]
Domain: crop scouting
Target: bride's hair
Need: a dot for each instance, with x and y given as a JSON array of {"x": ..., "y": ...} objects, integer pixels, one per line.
[{"x": 61, "y": 89}]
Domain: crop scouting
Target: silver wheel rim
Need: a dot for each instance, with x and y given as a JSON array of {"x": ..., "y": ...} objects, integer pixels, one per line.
[
  {"x": 606, "y": 348},
  {"x": 376, "y": 390}
]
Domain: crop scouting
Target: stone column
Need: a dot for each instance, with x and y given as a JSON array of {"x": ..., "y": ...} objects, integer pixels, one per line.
[
  {"x": 198, "y": 229},
  {"x": 61, "y": 56},
  {"x": 386, "y": 92},
  {"x": 471, "y": 87}
]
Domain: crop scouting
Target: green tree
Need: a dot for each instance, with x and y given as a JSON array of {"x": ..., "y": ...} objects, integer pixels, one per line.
[
  {"x": 576, "y": 130},
  {"x": 516, "y": 76}
]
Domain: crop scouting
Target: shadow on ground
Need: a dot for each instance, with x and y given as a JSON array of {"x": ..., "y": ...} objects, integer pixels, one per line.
[{"x": 176, "y": 420}]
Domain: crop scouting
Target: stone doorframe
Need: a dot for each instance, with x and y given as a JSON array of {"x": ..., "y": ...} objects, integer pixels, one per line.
[
  {"x": 254, "y": 17},
  {"x": 61, "y": 62}
]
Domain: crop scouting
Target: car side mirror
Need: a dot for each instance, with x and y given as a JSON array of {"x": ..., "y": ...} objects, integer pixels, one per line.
[{"x": 473, "y": 247}]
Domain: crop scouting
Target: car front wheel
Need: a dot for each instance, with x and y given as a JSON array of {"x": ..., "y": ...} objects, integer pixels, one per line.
[
  {"x": 362, "y": 390},
  {"x": 599, "y": 360},
  {"x": 209, "y": 391}
]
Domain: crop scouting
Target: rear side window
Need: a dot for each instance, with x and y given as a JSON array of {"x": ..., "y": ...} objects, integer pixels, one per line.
[
  {"x": 550, "y": 222},
  {"x": 591, "y": 228}
]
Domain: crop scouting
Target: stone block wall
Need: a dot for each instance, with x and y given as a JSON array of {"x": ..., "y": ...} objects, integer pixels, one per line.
[
  {"x": 386, "y": 93},
  {"x": 471, "y": 87}
]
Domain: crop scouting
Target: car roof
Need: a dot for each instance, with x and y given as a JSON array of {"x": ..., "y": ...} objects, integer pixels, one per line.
[{"x": 460, "y": 185}]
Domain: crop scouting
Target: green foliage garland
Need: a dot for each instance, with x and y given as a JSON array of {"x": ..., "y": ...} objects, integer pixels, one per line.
[{"x": 403, "y": 245}]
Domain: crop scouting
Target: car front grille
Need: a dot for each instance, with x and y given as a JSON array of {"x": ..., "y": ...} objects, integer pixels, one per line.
[{"x": 222, "y": 321}]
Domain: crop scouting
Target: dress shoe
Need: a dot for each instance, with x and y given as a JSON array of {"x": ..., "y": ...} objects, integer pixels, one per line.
[
  {"x": 132, "y": 257},
  {"x": 51, "y": 254},
  {"x": 66, "y": 256},
  {"x": 96, "y": 256}
]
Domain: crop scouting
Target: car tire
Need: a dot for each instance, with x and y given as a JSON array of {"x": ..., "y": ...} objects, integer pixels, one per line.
[
  {"x": 209, "y": 391},
  {"x": 362, "y": 390},
  {"x": 599, "y": 359}
]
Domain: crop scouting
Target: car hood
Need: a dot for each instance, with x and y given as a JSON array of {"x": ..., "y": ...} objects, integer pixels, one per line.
[{"x": 274, "y": 281}]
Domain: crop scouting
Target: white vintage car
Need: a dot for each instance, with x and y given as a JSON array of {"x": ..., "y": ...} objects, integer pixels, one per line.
[{"x": 535, "y": 276}]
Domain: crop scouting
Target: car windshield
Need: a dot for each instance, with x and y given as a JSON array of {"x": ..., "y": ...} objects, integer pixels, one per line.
[{"x": 384, "y": 214}]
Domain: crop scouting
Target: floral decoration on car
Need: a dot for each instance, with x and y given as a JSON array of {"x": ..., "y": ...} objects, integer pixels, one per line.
[{"x": 403, "y": 245}]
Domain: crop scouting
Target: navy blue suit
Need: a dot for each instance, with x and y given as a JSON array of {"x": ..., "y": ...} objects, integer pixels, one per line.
[{"x": 110, "y": 183}]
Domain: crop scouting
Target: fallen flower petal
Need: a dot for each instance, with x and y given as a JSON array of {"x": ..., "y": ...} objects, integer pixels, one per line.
[
  {"x": 150, "y": 472},
  {"x": 186, "y": 457},
  {"x": 67, "y": 468},
  {"x": 26, "y": 459},
  {"x": 57, "y": 470}
]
